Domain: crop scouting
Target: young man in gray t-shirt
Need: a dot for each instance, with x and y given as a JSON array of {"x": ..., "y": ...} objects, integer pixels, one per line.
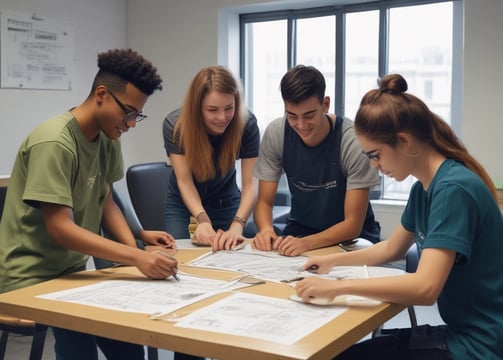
[{"x": 328, "y": 176}]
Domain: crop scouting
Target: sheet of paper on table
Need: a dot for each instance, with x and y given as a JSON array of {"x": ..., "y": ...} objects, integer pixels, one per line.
[
  {"x": 144, "y": 295},
  {"x": 266, "y": 265},
  {"x": 272, "y": 266},
  {"x": 262, "y": 317}
]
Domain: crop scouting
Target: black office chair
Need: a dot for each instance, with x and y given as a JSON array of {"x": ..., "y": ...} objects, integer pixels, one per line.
[
  {"x": 3, "y": 194},
  {"x": 147, "y": 184},
  {"x": 411, "y": 262},
  {"x": 11, "y": 324}
]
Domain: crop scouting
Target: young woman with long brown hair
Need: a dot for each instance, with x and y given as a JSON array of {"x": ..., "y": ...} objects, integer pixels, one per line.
[{"x": 203, "y": 139}]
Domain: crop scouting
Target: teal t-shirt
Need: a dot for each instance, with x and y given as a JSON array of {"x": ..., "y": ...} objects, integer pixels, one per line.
[
  {"x": 458, "y": 213},
  {"x": 55, "y": 164}
]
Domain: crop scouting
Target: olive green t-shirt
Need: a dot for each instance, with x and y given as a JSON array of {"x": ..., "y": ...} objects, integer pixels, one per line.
[{"x": 55, "y": 164}]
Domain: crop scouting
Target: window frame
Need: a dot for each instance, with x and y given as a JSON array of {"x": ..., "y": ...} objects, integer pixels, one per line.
[{"x": 339, "y": 11}]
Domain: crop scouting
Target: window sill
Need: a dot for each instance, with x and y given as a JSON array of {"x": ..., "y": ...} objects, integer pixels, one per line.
[{"x": 389, "y": 202}]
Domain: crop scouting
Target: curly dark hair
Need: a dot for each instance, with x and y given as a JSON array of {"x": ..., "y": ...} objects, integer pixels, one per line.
[{"x": 119, "y": 66}]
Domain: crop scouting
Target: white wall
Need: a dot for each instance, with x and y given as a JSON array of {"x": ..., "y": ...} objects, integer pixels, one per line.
[
  {"x": 98, "y": 26},
  {"x": 179, "y": 37},
  {"x": 482, "y": 123}
]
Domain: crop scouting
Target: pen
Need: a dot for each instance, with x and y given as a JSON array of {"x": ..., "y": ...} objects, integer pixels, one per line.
[
  {"x": 175, "y": 276},
  {"x": 312, "y": 268},
  {"x": 293, "y": 280}
]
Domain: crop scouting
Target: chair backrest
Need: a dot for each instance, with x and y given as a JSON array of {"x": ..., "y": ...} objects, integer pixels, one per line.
[
  {"x": 100, "y": 263},
  {"x": 3, "y": 194},
  {"x": 147, "y": 184},
  {"x": 412, "y": 259}
]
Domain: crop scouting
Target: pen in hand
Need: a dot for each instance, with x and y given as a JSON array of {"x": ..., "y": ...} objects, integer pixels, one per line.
[
  {"x": 312, "y": 268},
  {"x": 175, "y": 276}
]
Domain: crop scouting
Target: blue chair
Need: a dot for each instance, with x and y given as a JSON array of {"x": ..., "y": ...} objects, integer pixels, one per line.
[{"x": 11, "y": 324}]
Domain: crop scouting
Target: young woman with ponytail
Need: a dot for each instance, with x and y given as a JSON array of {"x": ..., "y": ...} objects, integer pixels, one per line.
[{"x": 452, "y": 216}]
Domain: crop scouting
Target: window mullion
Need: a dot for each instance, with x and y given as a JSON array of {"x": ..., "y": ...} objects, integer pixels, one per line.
[
  {"x": 292, "y": 42},
  {"x": 383, "y": 57},
  {"x": 340, "y": 50}
]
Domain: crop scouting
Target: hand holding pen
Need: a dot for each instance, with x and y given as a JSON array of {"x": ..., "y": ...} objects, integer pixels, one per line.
[
  {"x": 174, "y": 269},
  {"x": 318, "y": 264}
]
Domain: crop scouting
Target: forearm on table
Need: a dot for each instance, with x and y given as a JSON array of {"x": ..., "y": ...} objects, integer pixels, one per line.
[
  {"x": 376, "y": 254},
  {"x": 63, "y": 230},
  {"x": 335, "y": 234}
]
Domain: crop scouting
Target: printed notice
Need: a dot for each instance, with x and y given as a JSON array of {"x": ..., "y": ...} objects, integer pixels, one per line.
[{"x": 36, "y": 53}]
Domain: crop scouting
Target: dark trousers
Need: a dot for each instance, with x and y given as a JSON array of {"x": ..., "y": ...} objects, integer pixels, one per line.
[
  {"x": 423, "y": 342},
  {"x": 72, "y": 345}
]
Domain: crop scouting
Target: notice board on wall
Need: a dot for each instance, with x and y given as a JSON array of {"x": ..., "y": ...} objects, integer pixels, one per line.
[{"x": 35, "y": 52}]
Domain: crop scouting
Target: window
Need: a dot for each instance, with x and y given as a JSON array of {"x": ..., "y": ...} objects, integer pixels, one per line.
[{"x": 353, "y": 45}]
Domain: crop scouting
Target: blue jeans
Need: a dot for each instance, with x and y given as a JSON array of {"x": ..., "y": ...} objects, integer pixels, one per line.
[
  {"x": 177, "y": 216},
  {"x": 72, "y": 345}
]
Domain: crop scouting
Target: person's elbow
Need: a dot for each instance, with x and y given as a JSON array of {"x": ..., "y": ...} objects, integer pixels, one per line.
[
  {"x": 58, "y": 233},
  {"x": 355, "y": 232},
  {"x": 426, "y": 298},
  {"x": 355, "y": 228},
  {"x": 427, "y": 292}
]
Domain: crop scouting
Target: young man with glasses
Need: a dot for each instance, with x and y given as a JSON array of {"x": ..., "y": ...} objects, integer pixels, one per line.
[
  {"x": 327, "y": 174},
  {"x": 60, "y": 194}
]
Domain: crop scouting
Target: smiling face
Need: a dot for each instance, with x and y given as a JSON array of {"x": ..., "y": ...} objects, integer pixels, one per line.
[
  {"x": 308, "y": 119},
  {"x": 218, "y": 110}
]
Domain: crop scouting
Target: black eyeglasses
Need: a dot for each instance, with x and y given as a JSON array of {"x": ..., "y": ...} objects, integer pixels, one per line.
[
  {"x": 129, "y": 114},
  {"x": 371, "y": 156}
]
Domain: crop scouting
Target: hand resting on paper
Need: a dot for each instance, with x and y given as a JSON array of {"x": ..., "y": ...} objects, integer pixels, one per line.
[
  {"x": 218, "y": 240},
  {"x": 318, "y": 291}
]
